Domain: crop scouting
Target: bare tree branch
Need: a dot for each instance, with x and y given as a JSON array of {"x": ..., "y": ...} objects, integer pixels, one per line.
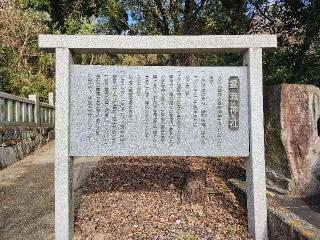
[
  {"x": 159, "y": 22},
  {"x": 262, "y": 13},
  {"x": 187, "y": 10},
  {"x": 196, "y": 12},
  {"x": 164, "y": 18}
]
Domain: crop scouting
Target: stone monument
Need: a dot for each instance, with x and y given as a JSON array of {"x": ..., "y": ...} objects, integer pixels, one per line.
[{"x": 159, "y": 111}]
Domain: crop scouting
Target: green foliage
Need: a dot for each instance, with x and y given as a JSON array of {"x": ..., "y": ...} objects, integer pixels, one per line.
[
  {"x": 24, "y": 69},
  {"x": 190, "y": 18},
  {"x": 81, "y": 25},
  {"x": 297, "y": 25},
  {"x": 110, "y": 15}
]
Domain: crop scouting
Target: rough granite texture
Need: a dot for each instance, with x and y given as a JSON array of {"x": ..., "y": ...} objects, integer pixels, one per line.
[
  {"x": 253, "y": 44},
  {"x": 193, "y": 110},
  {"x": 255, "y": 166},
  {"x": 63, "y": 162},
  {"x": 18, "y": 142},
  {"x": 157, "y": 44},
  {"x": 292, "y": 115}
]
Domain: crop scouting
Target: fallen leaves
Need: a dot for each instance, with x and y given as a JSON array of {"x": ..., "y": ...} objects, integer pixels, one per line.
[{"x": 140, "y": 198}]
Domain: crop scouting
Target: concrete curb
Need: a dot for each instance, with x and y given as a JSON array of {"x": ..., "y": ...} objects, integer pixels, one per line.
[{"x": 282, "y": 224}]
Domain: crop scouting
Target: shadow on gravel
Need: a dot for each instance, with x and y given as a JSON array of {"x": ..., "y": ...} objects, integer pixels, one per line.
[
  {"x": 228, "y": 168},
  {"x": 157, "y": 174},
  {"x": 136, "y": 174},
  {"x": 27, "y": 200},
  {"x": 153, "y": 173}
]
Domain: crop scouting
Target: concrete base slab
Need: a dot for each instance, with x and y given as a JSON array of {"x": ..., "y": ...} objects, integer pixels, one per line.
[
  {"x": 308, "y": 208},
  {"x": 283, "y": 223}
]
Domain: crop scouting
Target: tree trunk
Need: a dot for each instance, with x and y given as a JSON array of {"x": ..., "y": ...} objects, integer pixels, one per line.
[{"x": 195, "y": 190}]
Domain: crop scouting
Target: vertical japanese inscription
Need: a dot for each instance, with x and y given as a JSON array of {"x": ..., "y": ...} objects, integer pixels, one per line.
[
  {"x": 98, "y": 104},
  {"x": 195, "y": 101},
  {"x": 155, "y": 108},
  {"x": 234, "y": 100},
  {"x": 220, "y": 106},
  {"x": 106, "y": 107},
  {"x": 204, "y": 111},
  {"x": 90, "y": 106},
  {"x": 171, "y": 110},
  {"x": 114, "y": 118},
  {"x": 122, "y": 109},
  {"x": 163, "y": 109},
  {"x": 147, "y": 107},
  {"x": 179, "y": 106},
  {"x": 130, "y": 96}
]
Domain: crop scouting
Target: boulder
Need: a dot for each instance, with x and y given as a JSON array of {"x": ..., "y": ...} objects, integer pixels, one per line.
[{"x": 292, "y": 127}]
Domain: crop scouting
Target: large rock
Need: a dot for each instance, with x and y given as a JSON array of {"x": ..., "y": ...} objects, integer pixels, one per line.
[{"x": 292, "y": 129}]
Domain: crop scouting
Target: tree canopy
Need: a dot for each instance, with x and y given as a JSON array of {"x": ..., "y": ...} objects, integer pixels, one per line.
[{"x": 25, "y": 70}]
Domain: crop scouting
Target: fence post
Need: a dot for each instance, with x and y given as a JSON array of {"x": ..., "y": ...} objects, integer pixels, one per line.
[
  {"x": 10, "y": 111},
  {"x": 24, "y": 112},
  {"x": 42, "y": 118},
  {"x": 36, "y": 118},
  {"x": 50, "y": 98},
  {"x": 30, "y": 113},
  {"x": 17, "y": 111},
  {"x": 2, "y": 110},
  {"x": 51, "y": 102}
]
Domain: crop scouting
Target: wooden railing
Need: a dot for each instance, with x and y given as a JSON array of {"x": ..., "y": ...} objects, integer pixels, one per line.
[{"x": 18, "y": 111}]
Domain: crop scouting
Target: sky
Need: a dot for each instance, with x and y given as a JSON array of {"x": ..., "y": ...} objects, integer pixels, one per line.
[{"x": 130, "y": 19}]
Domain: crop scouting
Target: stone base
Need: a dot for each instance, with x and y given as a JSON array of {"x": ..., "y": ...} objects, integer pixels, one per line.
[
  {"x": 282, "y": 223},
  {"x": 292, "y": 122},
  {"x": 18, "y": 142}
]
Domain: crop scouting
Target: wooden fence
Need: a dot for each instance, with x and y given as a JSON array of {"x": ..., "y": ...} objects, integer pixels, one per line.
[{"x": 18, "y": 111}]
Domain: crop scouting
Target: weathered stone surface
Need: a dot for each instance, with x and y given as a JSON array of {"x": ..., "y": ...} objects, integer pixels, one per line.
[
  {"x": 292, "y": 115},
  {"x": 252, "y": 45},
  {"x": 158, "y": 111},
  {"x": 18, "y": 142},
  {"x": 157, "y": 44},
  {"x": 282, "y": 223}
]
